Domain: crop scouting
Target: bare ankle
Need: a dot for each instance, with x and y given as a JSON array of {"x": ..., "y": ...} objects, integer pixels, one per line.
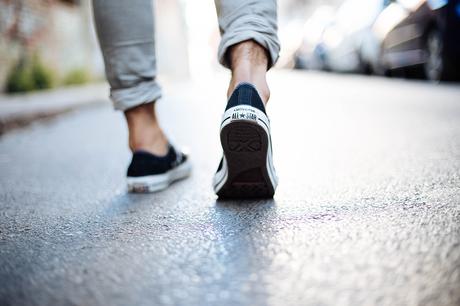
[
  {"x": 150, "y": 140},
  {"x": 249, "y": 63},
  {"x": 145, "y": 132}
]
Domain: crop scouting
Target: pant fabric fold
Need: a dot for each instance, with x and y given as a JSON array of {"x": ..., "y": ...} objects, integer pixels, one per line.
[{"x": 125, "y": 31}]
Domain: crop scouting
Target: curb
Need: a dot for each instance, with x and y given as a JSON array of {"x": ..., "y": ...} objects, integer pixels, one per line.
[{"x": 19, "y": 110}]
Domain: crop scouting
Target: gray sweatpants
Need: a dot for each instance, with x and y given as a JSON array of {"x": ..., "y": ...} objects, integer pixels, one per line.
[{"x": 125, "y": 32}]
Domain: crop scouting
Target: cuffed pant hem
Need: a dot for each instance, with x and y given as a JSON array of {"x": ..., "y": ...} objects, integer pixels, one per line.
[
  {"x": 126, "y": 98},
  {"x": 267, "y": 40}
]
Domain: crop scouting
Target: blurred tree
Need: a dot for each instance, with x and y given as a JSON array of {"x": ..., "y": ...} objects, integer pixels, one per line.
[
  {"x": 76, "y": 77},
  {"x": 29, "y": 74},
  {"x": 19, "y": 79}
]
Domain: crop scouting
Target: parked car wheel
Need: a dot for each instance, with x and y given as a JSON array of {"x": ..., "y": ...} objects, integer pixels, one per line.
[{"x": 434, "y": 65}]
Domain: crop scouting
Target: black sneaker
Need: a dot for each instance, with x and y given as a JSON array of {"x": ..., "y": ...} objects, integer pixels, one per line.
[
  {"x": 246, "y": 169},
  {"x": 149, "y": 173}
]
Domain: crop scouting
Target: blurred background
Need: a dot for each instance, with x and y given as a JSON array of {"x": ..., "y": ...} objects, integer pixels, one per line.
[
  {"x": 51, "y": 43},
  {"x": 406, "y": 38},
  {"x": 365, "y": 118}
]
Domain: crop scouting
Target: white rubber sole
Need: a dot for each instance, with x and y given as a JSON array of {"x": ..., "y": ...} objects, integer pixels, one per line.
[
  {"x": 249, "y": 125},
  {"x": 154, "y": 183}
]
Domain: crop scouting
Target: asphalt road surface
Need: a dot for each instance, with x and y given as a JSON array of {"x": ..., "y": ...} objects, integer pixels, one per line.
[{"x": 367, "y": 211}]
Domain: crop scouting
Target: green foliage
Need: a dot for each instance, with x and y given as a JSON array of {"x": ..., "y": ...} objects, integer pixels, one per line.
[
  {"x": 19, "y": 79},
  {"x": 29, "y": 75},
  {"x": 76, "y": 77},
  {"x": 41, "y": 76}
]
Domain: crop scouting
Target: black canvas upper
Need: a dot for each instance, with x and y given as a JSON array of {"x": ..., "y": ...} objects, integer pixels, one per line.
[
  {"x": 144, "y": 163},
  {"x": 245, "y": 94}
]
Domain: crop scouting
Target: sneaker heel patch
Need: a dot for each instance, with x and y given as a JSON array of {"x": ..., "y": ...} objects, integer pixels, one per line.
[{"x": 244, "y": 114}]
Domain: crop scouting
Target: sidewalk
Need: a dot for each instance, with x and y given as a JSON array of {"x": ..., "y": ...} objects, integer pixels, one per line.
[{"x": 22, "y": 109}]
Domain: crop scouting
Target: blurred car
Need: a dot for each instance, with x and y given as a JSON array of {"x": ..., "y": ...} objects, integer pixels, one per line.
[
  {"x": 343, "y": 39},
  {"x": 419, "y": 38},
  {"x": 309, "y": 55}
]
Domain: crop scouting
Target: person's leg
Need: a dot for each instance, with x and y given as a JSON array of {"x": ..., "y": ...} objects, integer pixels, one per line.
[
  {"x": 145, "y": 132},
  {"x": 249, "y": 45},
  {"x": 125, "y": 32},
  {"x": 126, "y": 35},
  {"x": 248, "y": 61}
]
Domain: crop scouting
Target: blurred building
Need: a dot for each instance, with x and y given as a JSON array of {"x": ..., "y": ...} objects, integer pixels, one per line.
[{"x": 59, "y": 32}]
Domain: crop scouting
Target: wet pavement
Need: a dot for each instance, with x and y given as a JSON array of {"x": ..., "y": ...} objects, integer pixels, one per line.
[{"x": 367, "y": 211}]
